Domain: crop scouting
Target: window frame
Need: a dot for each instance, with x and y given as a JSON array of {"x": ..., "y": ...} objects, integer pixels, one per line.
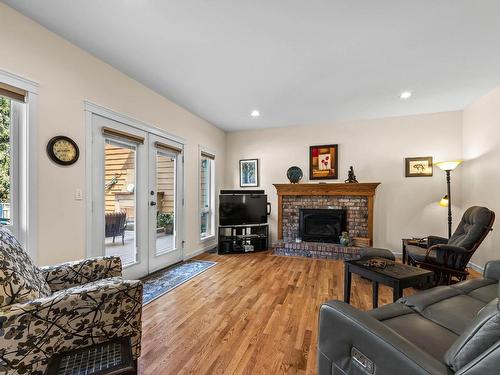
[
  {"x": 17, "y": 110},
  {"x": 25, "y": 168},
  {"x": 202, "y": 151}
]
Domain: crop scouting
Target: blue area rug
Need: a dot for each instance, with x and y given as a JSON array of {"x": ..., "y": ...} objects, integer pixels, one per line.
[{"x": 163, "y": 281}]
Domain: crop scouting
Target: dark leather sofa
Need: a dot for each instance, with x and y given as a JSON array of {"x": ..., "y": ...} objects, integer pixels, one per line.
[{"x": 444, "y": 330}]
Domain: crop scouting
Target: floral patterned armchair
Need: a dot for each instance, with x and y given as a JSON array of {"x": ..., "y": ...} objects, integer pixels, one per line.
[{"x": 48, "y": 310}]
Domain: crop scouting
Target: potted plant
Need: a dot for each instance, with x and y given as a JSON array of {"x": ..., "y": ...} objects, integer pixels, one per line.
[{"x": 165, "y": 220}]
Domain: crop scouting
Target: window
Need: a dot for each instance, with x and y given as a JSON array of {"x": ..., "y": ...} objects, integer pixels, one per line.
[
  {"x": 9, "y": 162},
  {"x": 18, "y": 159},
  {"x": 207, "y": 196}
]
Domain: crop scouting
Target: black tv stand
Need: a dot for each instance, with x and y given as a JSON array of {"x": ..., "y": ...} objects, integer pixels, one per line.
[{"x": 246, "y": 238}]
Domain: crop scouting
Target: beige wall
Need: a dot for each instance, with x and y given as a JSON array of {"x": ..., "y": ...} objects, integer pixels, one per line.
[
  {"x": 376, "y": 149},
  {"x": 481, "y": 153},
  {"x": 67, "y": 76}
]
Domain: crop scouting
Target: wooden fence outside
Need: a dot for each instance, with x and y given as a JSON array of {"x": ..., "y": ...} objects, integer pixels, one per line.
[{"x": 120, "y": 173}]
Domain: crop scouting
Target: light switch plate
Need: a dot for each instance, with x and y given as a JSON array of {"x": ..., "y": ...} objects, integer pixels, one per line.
[{"x": 78, "y": 194}]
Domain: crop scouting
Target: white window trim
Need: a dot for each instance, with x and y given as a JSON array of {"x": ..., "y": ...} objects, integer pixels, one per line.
[
  {"x": 28, "y": 164},
  {"x": 211, "y": 238}
]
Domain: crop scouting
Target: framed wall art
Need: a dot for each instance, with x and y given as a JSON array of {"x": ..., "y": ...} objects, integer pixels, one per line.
[
  {"x": 249, "y": 172},
  {"x": 419, "y": 167},
  {"x": 323, "y": 162}
]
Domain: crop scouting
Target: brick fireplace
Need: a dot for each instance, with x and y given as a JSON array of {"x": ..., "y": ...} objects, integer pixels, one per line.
[{"x": 356, "y": 200}]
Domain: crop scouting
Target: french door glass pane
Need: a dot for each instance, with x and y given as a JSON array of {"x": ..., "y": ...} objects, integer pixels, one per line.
[
  {"x": 120, "y": 163},
  {"x": 5, "y": 162},
  {"x": 166, "y": 198},
  {"x": 206, "y": 197}
]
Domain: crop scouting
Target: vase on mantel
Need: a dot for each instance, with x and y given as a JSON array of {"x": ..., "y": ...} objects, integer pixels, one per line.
[{"x": 344, "y": 239}]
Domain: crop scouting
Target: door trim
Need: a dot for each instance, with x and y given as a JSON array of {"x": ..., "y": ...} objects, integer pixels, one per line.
[
  {"x": 130, "y": 121},
  {"x": 94, "y": 109}
]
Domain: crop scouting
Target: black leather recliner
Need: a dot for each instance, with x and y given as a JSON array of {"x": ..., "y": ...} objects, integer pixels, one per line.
[
  {"x": 441, "y": 331},
  {"x": 448, "y": 258}
]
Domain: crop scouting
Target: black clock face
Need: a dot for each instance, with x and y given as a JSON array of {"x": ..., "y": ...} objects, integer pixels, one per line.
[{"x": 63, "y": 150}]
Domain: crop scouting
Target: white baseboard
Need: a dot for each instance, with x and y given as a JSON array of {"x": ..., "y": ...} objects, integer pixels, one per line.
[
  {"x": 200, "y": 251},
  {"x": 475, "y": 267}
]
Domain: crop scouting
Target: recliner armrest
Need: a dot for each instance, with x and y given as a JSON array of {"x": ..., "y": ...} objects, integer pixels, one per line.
[
  {"x": 342, "y": 327},
  {"x": 492, "y": 270},
  {"x": 449, "y": 255},
  {"x": 70, "y": 274},
  {"x": 435, "y": 240}
]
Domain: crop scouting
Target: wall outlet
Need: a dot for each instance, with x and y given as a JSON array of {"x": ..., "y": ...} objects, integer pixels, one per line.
[{"x": 78, "y": 194}]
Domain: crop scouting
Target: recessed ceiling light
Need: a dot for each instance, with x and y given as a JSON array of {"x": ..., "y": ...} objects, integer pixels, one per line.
[
  {"x": 405, "y": 95},
  {"x": 255, "y": 113}
]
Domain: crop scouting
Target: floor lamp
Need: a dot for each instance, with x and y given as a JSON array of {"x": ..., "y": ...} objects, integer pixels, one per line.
[{"x": 448, "y": 166}]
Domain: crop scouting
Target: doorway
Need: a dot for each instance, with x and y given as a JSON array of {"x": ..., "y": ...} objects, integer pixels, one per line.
[{"x": 137, "y": 196}]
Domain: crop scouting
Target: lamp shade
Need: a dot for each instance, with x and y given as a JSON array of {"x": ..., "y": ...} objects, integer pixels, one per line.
[
  {"x": 448, "y": 165},
  {"x": 444, "y": 202}
]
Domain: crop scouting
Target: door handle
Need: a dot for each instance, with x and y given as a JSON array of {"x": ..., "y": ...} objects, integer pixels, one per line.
[{"x": 152, "y": 203}]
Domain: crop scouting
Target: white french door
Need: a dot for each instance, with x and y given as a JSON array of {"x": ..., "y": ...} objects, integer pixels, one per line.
[
  {"x": 165, "y": 214},
  {"x": 136, "y": 197}
]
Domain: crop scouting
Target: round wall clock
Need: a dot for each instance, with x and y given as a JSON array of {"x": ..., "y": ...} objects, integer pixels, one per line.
[{"x": 63, "y": 150}]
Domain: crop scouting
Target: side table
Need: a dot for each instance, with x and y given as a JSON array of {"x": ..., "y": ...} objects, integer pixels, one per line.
[{"x": 420, "y": 242}]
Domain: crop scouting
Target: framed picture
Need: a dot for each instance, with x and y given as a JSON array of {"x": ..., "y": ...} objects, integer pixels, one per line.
[
  {"x": 418, "y": 167},
  {"x": 249, "y": 172},
  {"x": 323, "y": 162}
]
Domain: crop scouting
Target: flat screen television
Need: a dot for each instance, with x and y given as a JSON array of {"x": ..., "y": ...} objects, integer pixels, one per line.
[{"x": 242, "y": 209}]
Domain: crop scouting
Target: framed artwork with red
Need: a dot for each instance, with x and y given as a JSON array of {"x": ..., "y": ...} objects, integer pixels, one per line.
[{"x": 323, "y": 162}]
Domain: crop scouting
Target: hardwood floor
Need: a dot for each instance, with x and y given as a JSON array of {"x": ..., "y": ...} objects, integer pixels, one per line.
[{"x": 250, "y": 314}]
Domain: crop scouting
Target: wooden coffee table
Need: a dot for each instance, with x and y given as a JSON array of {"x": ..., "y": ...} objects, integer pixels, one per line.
[{"x": 396, "y": 275}]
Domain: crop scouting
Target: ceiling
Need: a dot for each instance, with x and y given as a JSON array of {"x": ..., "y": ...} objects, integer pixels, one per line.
[{"x": 296, "y": 61}]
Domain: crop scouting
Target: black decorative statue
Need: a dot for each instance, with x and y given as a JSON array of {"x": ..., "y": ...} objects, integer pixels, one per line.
[{"x": 351, "y": 177}]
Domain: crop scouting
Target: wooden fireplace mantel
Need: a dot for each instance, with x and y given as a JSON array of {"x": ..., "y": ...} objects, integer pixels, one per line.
[{"x": 366, "y": 189}]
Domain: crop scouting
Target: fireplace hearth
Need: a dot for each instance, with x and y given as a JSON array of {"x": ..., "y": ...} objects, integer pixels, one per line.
[{"x": 322, "y": 225}]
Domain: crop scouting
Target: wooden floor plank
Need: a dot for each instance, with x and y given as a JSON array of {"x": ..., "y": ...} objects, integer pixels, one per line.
[{"x": 249, "y": 314}]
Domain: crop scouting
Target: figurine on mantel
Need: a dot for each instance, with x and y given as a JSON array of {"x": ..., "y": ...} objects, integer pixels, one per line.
[{"x": 351, "y": 177}]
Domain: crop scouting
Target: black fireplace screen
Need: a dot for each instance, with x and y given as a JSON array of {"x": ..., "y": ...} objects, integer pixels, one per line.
[{"x": 322, "y": 225}]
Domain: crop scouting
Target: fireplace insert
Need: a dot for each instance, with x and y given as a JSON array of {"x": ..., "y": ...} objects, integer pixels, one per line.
[{"x": 322, "y": 225}]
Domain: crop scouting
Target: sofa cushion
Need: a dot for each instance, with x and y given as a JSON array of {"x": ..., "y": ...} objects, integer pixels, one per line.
[
  {"x": 482, "y": 332},
  {"x": 485, "y": 294},
  {"x": 482, "y": 289},
  {"x": 421, "y": 301},
  {"x": 20, "y": 279},
  {"x": 446, "y": 306},
  {"x": 389, "y": 311},
  {"x": 454, "y": 313},
  {"x": 424, "y": 333},
  {"x": 469, "y": 286}
]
